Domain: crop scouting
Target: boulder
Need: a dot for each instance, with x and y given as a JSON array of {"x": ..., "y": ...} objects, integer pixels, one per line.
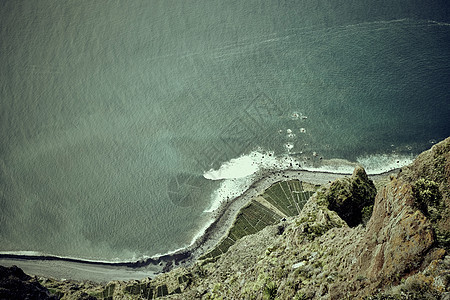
[{"x": 352, "y": 198}]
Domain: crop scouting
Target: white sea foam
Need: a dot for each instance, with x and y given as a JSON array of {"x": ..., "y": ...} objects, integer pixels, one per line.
[
  {"x": 438, "y": 23},
  {"x": 23, "y": 253},
  {"x": 380, "y": 163},
  {"x": 249, "y": 164},
  {"x": 289, "y": 146},
  {"x": 333, "y": 166},
  {"x": 40, "y": 254},
  {"x": 229, "y": 189},
  {"x": 239, "y": 173},
  {"x": 373, "y": 164},
  {"x": 235, "y": 168}
]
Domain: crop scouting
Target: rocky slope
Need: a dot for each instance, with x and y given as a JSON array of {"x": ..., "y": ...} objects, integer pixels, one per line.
[
  {"x": 334, "y": 249},
  {"x": 15, "y": 284}
]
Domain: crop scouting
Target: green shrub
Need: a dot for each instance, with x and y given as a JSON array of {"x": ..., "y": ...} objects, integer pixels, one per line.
[
  {"x": 366, "y": 214},
  {"x": 270, "y": 290},
  {"x": 427, "y": 194}
]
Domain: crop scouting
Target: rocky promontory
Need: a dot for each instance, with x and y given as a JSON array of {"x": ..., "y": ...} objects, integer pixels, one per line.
[{"x": 348, "y": 241}]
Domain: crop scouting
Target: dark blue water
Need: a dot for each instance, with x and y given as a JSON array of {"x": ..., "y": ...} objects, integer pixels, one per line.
[{"x": 111, "y": 112}]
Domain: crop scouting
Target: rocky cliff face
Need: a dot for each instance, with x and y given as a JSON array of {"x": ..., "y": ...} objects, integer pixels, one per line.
[
  {"x": 400, "y": 252},
  {"x": 15, "y": 284}
]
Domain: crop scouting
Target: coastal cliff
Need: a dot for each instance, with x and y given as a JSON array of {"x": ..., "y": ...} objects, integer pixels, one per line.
[{"x": 348, "y": 241}]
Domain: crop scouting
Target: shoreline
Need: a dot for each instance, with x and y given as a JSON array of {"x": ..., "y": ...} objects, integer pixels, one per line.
[{"x": 225, "y": 215}]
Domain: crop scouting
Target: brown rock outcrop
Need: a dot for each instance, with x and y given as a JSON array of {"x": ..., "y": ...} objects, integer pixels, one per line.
[{"x": 396, "y": 238}]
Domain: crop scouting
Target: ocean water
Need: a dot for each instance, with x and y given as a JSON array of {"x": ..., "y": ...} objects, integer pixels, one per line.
[{"x": 123, "y": 124}]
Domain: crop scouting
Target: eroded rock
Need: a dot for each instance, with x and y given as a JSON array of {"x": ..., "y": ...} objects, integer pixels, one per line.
[{"x": 351, "y": 197}]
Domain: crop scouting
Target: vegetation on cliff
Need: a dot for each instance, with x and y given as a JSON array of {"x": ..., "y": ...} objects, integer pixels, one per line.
[
  {"x": 352, "y": 198},
  {"x": 430, "y": 177}
]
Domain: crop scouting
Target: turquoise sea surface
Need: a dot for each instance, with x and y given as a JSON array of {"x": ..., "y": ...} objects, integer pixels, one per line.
[{"x": 112, "y": 113}]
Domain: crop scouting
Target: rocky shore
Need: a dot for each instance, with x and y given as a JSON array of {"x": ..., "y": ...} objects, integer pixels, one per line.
[
  {"x": 391, "y": 246},
  {"x": 98, "y": 271}
]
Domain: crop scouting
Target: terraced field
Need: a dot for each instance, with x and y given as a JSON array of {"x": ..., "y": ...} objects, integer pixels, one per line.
[{"x": 282, "y": 199}]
